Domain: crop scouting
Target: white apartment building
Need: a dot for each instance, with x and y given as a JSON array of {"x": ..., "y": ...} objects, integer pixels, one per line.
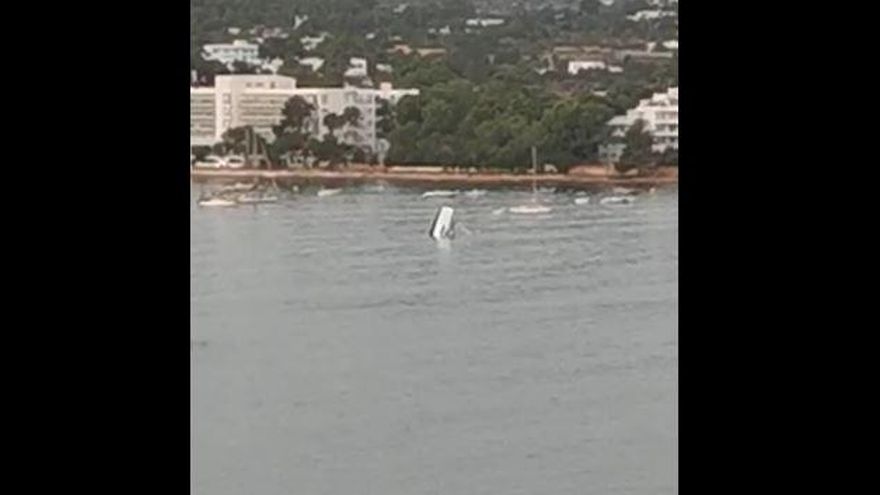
[
  {"x": 648, "y": 15},
  {"x": 357, "y": 67},
  {"x": 575, "y": 66},
  {"x": 309, "y": 43},
  {"x": 484, "y": 22},
  {"x": 237, "y": 51},
  {"x": 315, "y": 63},
  {"x": 660, "y": 115},
  {"x": 257, "y": 100}
]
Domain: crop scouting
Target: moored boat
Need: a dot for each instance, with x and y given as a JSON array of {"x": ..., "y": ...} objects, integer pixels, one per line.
[
  {"x": 439, "y": 194},
  {"x": 217, "y": 202},
  {"x": 328, "y": 192}
]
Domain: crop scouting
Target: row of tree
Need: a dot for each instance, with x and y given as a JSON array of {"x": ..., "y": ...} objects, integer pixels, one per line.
[
  {"x": 296, "y": 139},
  {"x": 457, "y": 121}
]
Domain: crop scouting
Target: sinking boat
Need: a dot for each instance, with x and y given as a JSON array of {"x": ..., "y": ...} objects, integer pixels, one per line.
[
  {"x": 439, "y": 194},
  {"x": 442, "y": 226}
]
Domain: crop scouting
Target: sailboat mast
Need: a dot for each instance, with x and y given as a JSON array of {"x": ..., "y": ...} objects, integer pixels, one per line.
[{"x": 534, "y": 170}]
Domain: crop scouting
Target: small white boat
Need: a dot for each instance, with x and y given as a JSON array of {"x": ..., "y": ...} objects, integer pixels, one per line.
[
  {"x": 217, "y": 202},
  {"x": 622, "y": 191},
  {"x": 475, "y": 193},
  {"x": 583, "y": 200},
  {"x": 238, "y": 187},
  {"x": 439, "y": 194},
  {"x": 374, "y": 188},
  {"x": 617, "y": 200},
  {"x": 253, "y": 199},
  {"x": 534, "y": 209},
  {"x": 328, "y": 192}
]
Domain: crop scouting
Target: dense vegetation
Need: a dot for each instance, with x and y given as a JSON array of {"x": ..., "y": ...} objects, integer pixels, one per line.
[{"x": 484, "y": 103}]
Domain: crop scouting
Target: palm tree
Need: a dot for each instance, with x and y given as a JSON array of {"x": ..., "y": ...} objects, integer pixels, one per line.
[
  {"x": 333, "y": 122},
  {"x": 352, "y": 116}
]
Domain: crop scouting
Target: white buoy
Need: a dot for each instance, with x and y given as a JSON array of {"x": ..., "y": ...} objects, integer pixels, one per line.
[{"x": 441, "y": 227}]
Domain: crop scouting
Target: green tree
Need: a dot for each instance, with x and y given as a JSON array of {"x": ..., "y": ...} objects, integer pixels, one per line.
[
  {"x": 669, "y": 157},
  {"x": 296, "y": 116},
  {"x": 573, "y": 129},
  {"x": 201, "y": 152},
  {"x": 333, "y": 122},
  {"x": 235, "y": 140},
  {"x": 638, "y": 152},
  {"x": 590, "y": 7},
  {"x": 385, "y": 119},
  {"x": 351, "y": 116},
  {"x": 293, "y": 131},
  {"x": 330, "y": 150},
  {"x": 239, "y": 67}
]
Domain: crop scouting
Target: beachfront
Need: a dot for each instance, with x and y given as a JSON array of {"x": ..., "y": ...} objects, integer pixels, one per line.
[{"x": 341, "y": 178}]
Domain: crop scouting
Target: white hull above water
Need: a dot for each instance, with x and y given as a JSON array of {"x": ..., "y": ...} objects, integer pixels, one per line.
[
  {"x": 617, "y": 200},
  {"x": 439, "y": 194},
  {"x": 217, "y": 202},
  {"x": 328, "y": 192},
  {"x": 622, "y": 190},
  {"x": 585, "y": 200},
  {"x": 238, "y": 187},
  {"x": 253, "y": 200},
  {"x": 530, "y": 209},
  {"x": 441, "y": 227},
  {"x": 475, "y": 193}
]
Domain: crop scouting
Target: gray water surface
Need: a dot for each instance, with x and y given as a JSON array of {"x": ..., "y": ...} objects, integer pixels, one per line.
[{"x": 339, "y": 350}]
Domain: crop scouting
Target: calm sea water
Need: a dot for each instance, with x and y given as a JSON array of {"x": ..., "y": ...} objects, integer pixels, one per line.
[{"x": 339, "y": 350}]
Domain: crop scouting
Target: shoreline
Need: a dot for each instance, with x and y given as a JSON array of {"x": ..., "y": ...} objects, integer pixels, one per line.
[{"x": 344, "y": 178}]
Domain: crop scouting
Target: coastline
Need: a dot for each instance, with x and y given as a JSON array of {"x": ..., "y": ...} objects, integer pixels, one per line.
[{"x": 342, "y": 178}]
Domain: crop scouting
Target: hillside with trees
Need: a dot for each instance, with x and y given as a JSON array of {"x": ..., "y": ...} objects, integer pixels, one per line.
[{"x": 492, "y": 93}]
